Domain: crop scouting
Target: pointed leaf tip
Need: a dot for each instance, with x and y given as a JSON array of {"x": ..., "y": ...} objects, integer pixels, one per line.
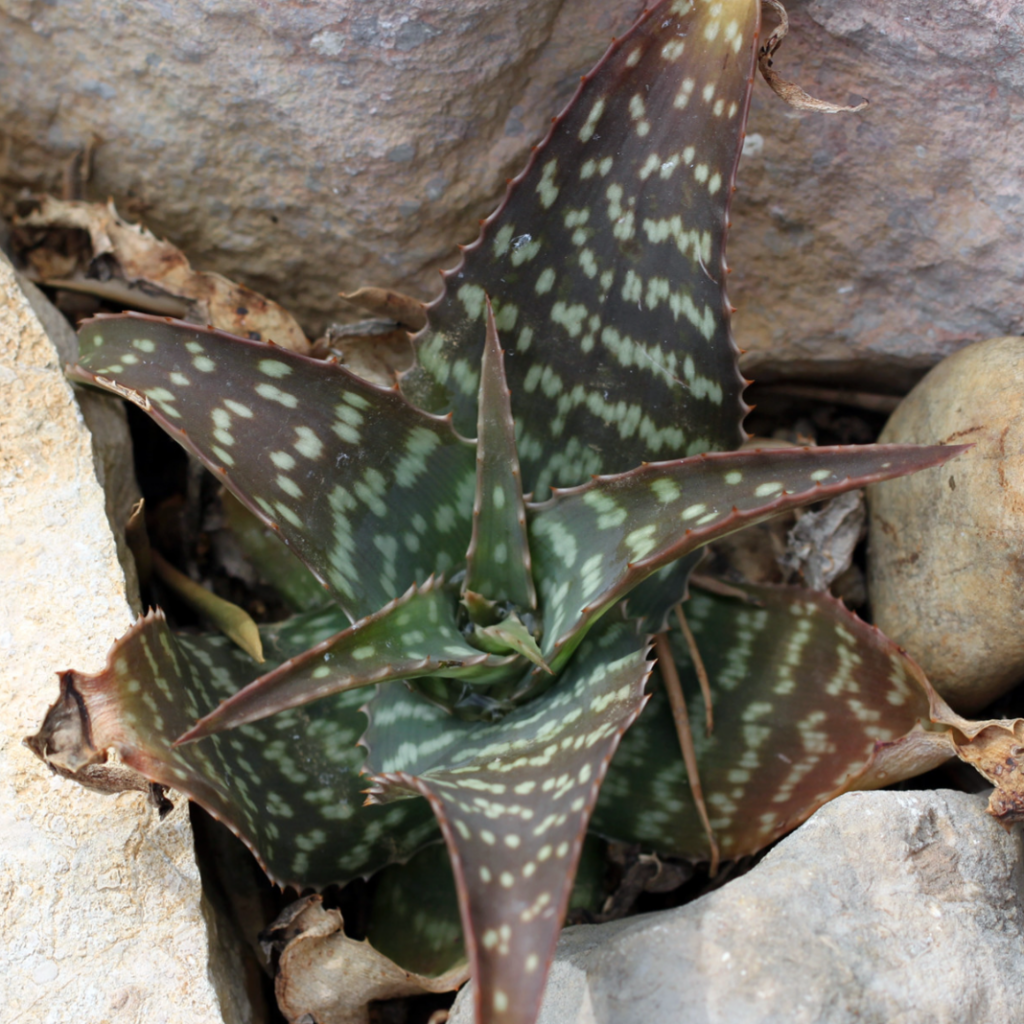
[
  {"x": 498, "y": 560},
  {"x": 414, "y": 635},
  {"x": 602, "y": 261},
  {"x": 298, "y": 806},
  {"x": 593, "y": 544},
  {"x": 316, "y": 453},
  {"x": 234, "y": 622},
  {"x": 513, "y": 800}
]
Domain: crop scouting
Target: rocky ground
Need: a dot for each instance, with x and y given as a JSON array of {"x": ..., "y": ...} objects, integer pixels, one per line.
[{"x": 883, "y": 907}]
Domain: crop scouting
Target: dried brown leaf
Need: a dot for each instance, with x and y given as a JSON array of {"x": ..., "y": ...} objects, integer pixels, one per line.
[
  {"x": 324, "y": 975},
  {"x": 820, "y": 546},
  {"x": 789, "y": 92},
  {"x": 374, "y": 350},
  {"x": 385, "y": 302},
  {"x": 145, "y": 262},
  {"x": 996, "y": 749}
]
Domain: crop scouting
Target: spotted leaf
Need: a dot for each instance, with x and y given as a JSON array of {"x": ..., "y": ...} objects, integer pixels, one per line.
[
  {"x": 498, "y": 560},
  {"x": 289, "y": 787},
  {"x": 414, "y": 915},
  {"x": 605, "y": 267},
  {"x": 652, "y": 600},
  {"x": 593, "y": 544},
  {"x": 372, "y": 494},
  {"x": 808, "y": 701},
  {"x": 415, "y": 635},
  {"x": 513, "y": 800},
  {"x": 606, "y": 261},
  {"x": 272, "y": 560}
]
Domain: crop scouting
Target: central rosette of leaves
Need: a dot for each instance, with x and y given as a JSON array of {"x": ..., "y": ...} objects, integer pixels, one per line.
[{"x": 497, "y": 610}]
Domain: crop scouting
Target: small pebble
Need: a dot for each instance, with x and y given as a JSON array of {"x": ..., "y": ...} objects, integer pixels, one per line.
[{"x": 946, "y": 555}]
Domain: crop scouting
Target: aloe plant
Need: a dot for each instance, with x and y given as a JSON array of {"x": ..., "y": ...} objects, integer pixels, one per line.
[{"x": 496, "y": 536}]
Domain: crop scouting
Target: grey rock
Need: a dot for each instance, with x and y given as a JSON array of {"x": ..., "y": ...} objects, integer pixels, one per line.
[
  {"x": 308, "y": 148},
  {"x": 869, "y": 246},
  {"x": 884, "y": 907},
  {"x": 285, "y": 144}
]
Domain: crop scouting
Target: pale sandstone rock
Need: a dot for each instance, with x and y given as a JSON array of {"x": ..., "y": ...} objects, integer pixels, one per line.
[
  {"x": 883, "y": 907},
  {"x": 945, "y": 562},
  {"x": 307, "y": 148},
  {"x": 102, "y": 913}
]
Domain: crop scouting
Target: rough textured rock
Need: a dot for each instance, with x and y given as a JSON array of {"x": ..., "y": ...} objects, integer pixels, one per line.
[
  {"x": 102, "y": 916},
  {"x": 883, "y": 907},
  {"x": 304, "y": 148},
  {"x": 868, "y": 246},
  {"x": 945, "y": 569}
]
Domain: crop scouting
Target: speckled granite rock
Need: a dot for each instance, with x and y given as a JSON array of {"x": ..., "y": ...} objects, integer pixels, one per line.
[
  {"x": 883, "y": 907},
  {"x": 304, "y": 148},
  {"x": 101, "y": 913}
]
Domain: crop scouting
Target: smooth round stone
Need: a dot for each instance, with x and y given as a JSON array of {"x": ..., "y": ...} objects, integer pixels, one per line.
[{"x": 946, "y": 554}]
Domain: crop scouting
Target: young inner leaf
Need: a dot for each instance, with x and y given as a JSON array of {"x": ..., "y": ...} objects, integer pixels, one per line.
[
  {"x": 498, "y": 560},
  {"x": 510, "y": 633},
  {"x": 415, "y": 635}
]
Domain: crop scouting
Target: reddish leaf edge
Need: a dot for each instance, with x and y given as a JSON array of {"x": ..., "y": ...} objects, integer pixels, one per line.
[
  {"x": 99, "y": 733},
  {"x": 81, "y": 375},
  {"x": 220, "y": 720},
  {"x": 96, "y": 722},
  {"x": 891, "y": 761},
  {"x": 494, "y": 382}
]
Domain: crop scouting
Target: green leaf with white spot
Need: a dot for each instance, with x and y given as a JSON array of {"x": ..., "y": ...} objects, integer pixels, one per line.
[
  {"x": 498, "y": 559},
  {"x": 593, "y": 544},
  {"x": 272, "y": 560},
  {"x": 605, "y": 268},
  {"x": 652, "y": 600},
  {"x": 513, "y": 799},
  {"x": 290, "y": 787},
  {"x": 372, "y": 494},
  {"x": 605, "y": 263},
  {"x": 415, "y": 635},
  {"x": 414, "y": 914},
  {"x": 808, "y": 701}
]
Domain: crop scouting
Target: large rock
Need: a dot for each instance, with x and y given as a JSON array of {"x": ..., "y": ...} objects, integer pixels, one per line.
[
  {"x": 102, "y": 914},
  {"x": 304, "y": 148},
  {"x": 869, "y": 246},
  {"x": 882, "y": 907}
]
